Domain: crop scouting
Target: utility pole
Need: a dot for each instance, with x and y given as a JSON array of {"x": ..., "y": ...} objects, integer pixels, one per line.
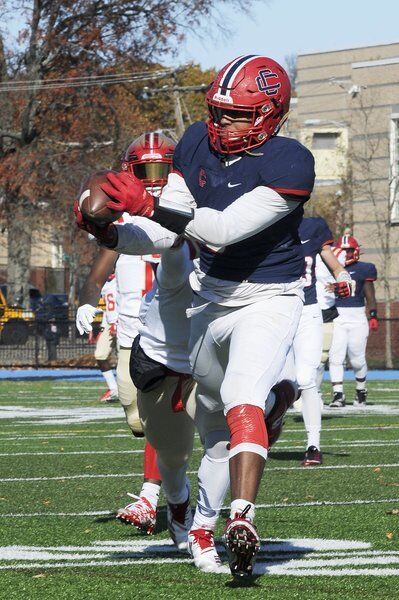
[{"x": 174, "y": 91}]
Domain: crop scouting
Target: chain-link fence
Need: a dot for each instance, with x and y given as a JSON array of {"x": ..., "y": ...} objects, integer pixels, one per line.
[{"x": 37, "y": 342}]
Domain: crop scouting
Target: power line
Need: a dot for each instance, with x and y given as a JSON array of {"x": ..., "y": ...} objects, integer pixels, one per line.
[{"x": 74, "y": 82}]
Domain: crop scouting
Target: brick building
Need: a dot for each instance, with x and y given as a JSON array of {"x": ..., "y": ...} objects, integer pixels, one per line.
[{"x": 347, "y": 113}]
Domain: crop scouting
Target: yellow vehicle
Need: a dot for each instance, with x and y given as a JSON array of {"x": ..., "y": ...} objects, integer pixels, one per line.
[{"x": 14, "y": 322}]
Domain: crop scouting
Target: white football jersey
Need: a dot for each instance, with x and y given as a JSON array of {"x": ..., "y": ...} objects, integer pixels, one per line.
[
  {"x": 108, "y": 292},
  {"x": 134, "y": 277},
  {"x": 165, "y": 333},
  {"x": 326, "y": 299}
]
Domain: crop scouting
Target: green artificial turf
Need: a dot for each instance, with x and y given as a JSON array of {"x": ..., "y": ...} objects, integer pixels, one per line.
[{"x": 66, "y": 463}]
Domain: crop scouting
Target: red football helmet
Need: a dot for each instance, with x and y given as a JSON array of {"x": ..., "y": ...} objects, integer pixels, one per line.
[
  {"x": 149, "y": 157},
  {"x": 250, "y": 84},
  {"x": 351, "y": 247}
]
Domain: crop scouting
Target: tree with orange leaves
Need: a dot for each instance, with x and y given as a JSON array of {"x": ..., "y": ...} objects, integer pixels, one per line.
[{"x": 61, "y": 93}]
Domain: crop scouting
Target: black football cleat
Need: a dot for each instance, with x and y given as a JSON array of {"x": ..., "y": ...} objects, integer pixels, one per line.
[
  {"x": 338, "y": 401},
  {"x": 361, "y": 398},
  {"x": 313, "y": 457}
]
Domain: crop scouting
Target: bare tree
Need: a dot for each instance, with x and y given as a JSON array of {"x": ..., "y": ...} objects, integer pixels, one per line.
[
  {"x": 292, "y": 70},
  {"x": 366, "y": 185}
]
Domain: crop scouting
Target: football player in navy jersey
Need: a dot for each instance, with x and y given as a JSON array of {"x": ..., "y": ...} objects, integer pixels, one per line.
[
  {"x": 352, "y": 326},
  {"x": 316, "y": 238},
  {"x": 239, "y": 189}
]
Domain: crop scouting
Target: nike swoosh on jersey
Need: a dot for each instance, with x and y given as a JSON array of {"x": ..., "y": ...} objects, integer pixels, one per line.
[
  {"x": 305, "y": 241},
  {"x": 231, "y": 185}
]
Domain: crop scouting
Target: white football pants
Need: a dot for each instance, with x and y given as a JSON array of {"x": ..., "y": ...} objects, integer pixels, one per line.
[
  {"x": 307, "y": 346},
  {"x": 238, "y": 353},
  {"x": 127, "y": 392},
  {"x": 350, "y": 335}
]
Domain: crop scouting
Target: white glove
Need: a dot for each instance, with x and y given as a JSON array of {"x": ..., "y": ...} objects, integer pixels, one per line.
[
  {"x": 345, "y": 276},
  {"x": 85, "y": 316}
]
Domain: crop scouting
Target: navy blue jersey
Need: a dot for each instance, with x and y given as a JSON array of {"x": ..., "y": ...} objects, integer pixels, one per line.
[
  {"x": 275, "y": 254},
  {"x": 360, "y": 272},
  {"x": 314, "y": 233}
]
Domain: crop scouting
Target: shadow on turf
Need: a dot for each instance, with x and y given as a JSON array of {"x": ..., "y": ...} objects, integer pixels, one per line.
[{"x": 298, "y": 456}]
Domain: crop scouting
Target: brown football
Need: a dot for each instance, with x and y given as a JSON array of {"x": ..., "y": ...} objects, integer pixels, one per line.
[{"x": 93, "y": 201}]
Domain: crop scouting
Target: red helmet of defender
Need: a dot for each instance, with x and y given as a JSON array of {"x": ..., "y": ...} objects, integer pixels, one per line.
[
  {"x": 351, "y": 247},
  {"x": 149, "y": 157},
  {"x": 256, "y": 85}
]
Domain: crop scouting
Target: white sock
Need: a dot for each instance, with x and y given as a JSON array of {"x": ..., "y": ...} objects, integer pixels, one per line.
[
  {"x": 175, "y": 484},
  {"x": 338, "y": 387},
  {"x": 213, "y": 481},
  {"x": 320, "y": 375},
  {"x": 150, "y": 491},
  {"x": 237, "y": 506},
  {"x": 311, "y": 411},
  {"x": 110, "y": 380},
  {"x": 361, "y": 385}
]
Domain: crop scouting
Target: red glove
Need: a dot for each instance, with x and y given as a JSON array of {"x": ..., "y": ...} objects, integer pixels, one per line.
[
  {"x": 112, "y": 329},
  {"x": 342, "y": 289},
  {"x": 128, "y": 194},
  {"x": 106, "y": 234},
  {"x": 373, "y": 324}
]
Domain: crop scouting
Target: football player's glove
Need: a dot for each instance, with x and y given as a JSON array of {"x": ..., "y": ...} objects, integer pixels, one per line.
[
  {"x": 106, "y": 235},
  {"x": 85, "y": 317},
  {"x": 373, "y": 321},
  {"x": 344, "y": 286},
  {"x": 128, "y": 194},
  {"x": 342, "y": 289}
]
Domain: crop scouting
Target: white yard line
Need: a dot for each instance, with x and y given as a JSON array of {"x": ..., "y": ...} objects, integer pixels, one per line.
[
  {"x": 97, "y": 513},
  {"x": 339, "y": 446},
  {"x": 127, "y": 475}
]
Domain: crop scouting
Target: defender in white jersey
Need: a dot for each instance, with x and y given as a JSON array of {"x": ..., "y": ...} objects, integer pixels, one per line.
[
  {"x": 106, "y": 340},
  {"x": 326, "y": 299},
  {"x": 316, "y": 239},
  {"x": 150, "y": 158}
]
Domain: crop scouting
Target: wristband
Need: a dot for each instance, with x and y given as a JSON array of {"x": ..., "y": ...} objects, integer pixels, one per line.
[
  {"x": 172, "y": 215},
  {"x": 373, "y": 314}
]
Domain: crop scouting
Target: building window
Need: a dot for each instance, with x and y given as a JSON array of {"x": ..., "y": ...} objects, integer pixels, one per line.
[
  {"x": 394, "y": 175},
  {"x": 326, "y": 140}
]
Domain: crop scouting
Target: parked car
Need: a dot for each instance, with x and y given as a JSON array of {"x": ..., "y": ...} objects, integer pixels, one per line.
[
  {"x": 15, "y": 322},
  {"x": 54, "y": 308}
]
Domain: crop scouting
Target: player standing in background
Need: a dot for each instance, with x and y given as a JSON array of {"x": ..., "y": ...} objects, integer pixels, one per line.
[
  {"x": 326, "y": 299},
  {"x": 106, "y": 340},
  {"x": 351, "y": 327},
  {"x": 316, "y": 239},
  {"x": 239, "y": 188},
  {"x": 150, "y": 158}
]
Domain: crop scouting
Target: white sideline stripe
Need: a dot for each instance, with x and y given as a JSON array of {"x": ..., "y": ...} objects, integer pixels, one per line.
[
  {"x": 117, "y": 475},
  {"x": 98, "y": 513}
]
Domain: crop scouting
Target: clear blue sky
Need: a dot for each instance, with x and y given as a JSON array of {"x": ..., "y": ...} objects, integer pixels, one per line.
[{"x": 281, "y": 27}]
